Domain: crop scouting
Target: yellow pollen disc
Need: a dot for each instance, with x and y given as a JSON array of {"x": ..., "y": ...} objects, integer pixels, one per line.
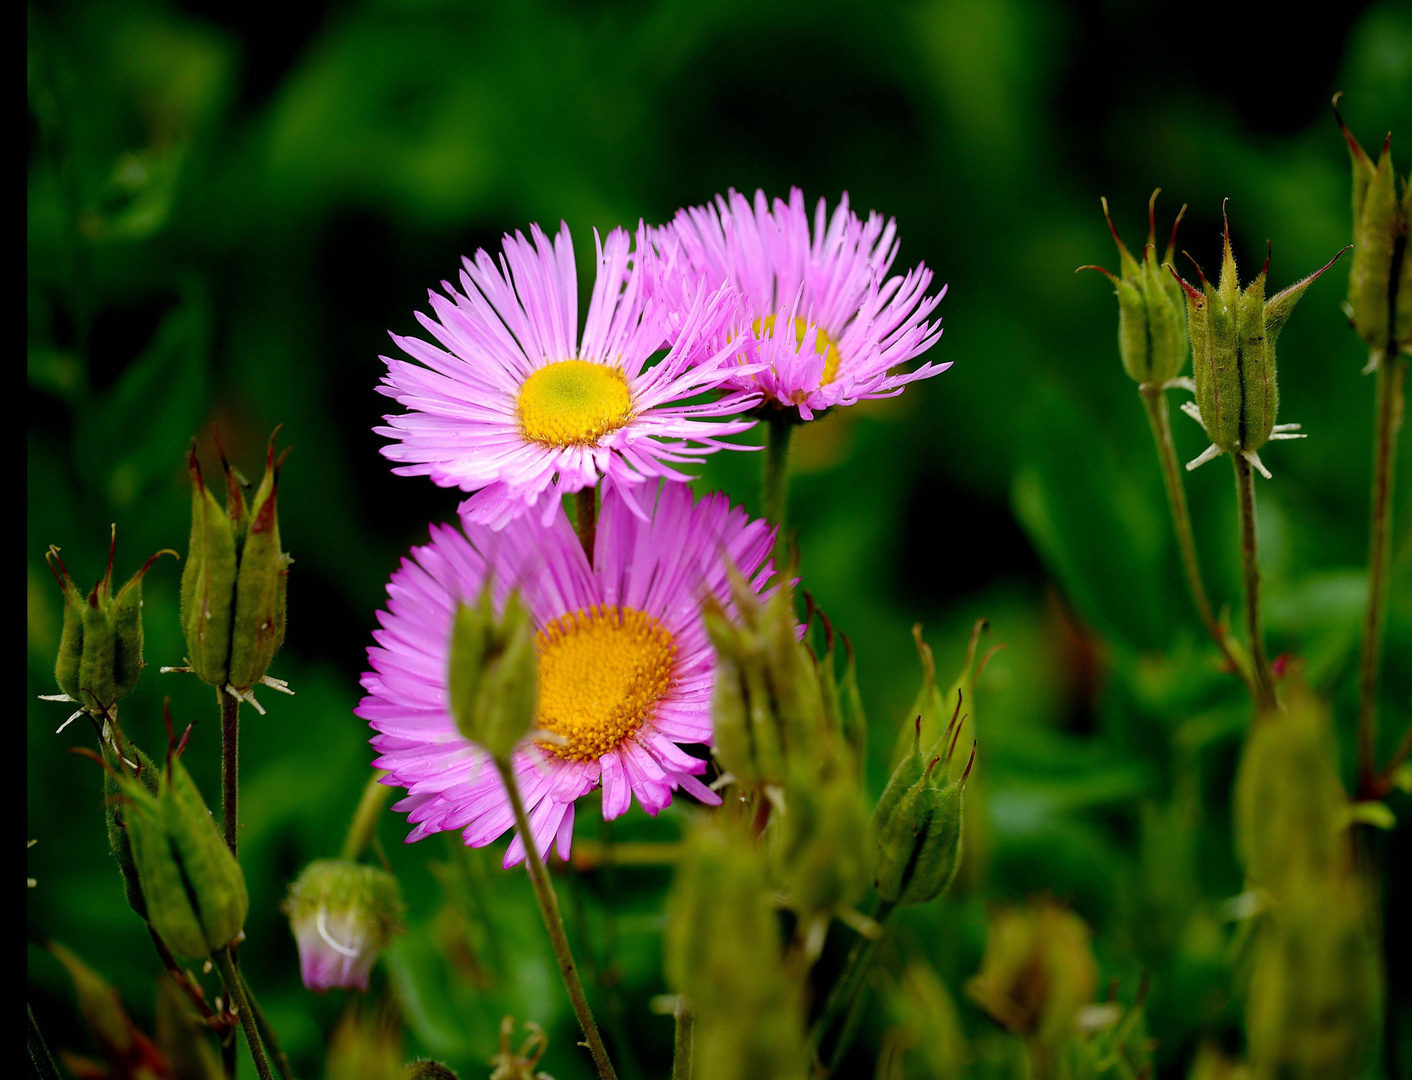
[
  {"x": 602, "y": 671},
  {"x": 573, "y": 402},
  {"x": 823, "y": 344}
]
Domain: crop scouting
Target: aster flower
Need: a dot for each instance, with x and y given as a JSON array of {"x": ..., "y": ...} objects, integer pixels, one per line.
[
  {"x": 830, "y": 326},
  {"x": 514, "y": 404},
  {"x": 626, "y": 670}
]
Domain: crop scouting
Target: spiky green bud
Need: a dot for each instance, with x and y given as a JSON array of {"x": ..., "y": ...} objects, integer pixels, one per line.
[
  {"x": 917, "y": 822},
  {"x": 1152, "y": 341},
  {"x": 100, "y": 647},
  {"x": 146, "y": 773},
  {"x": 1380, "y": 280},
  {"x": 493, "y": 673},
  {"x": 1233, "y": 333},
  {"x": 822, "y": 844},
  {"x": 233, "y": 585},
  {"x": 192, "y": 886}
]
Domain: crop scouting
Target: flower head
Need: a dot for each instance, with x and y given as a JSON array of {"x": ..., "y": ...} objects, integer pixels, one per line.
[
  {"x": 515, "y": 404},
  {"x": 626, "y": 669},
  {"x": 830, "y": 326},
  {"x": 342, "y": 914}
]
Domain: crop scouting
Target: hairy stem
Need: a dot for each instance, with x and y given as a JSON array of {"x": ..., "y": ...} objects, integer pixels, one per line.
[
  {"x": 843, "y": 998},
  {"x": 779, "y": 427},
  {"x": 240, "y": 1001},
  {"x": 586, "y": 518},
  {"x": 39, "y": 1049},
  {"x": 1392, "y": 372},
  {"x": 363, "y": 828},
  {"x": 230, "y": 813},
  {"x": 267, "y": 1033},
  {"x": 1261, "y": 676},
  {"x": 682, "y": 1048},
  {"x": 554, "y": 923},
  {"x": 1154, "y": 399}
]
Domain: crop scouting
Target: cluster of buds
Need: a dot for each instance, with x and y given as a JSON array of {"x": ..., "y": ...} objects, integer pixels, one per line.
[
  {"x": 1152, "y": 339},
  {"x": 343, "y": 915},
  {"x": 1037, "y": 974},
  {"x": 191, "y": 888},
  {"x": 721, "y": 950},
  {"x": 233, "y": 585},
  {"x": 493, "y": 675},
  {"x": 100, "y": 648},
  {"x": 1380, "y": 282},
  {"x": 1233, "y": 333}
]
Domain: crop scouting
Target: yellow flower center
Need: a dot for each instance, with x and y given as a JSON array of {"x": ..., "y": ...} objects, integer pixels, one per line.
[
  {"x": 602, "y": 671},
  {"x": 573, "y": 402},
  {"x": 823, "y": 344}
]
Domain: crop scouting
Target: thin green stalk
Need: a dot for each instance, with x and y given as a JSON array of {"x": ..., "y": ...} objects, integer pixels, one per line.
[
  {"x": 1154, "y": 399},
  {"x": 554, "y": 923},
  {"x": 843, "y": 998},
  {"x": 586, "y": 518},
  {"x": 267, "y": 1033},
  {"x": 179, "y": 976},
  {"x": 779, "y": 427},
  {"x": 1262, "y": 677},
  {"x": 363, "y": 827},
  {"x": 225, "y": 964},
  {"x": 1392, "y": 372},
  {"x": 39, "y": 1049},
  {"x": 230, "y": 816},
  {"x": 685, "y": 1035}
]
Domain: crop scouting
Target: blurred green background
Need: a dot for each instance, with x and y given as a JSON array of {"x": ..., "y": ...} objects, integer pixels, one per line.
[{"x": 228, "y": 212}]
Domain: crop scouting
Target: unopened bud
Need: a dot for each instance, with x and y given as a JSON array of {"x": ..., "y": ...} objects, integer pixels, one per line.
[
  {"x": 343, "y": 915},
  {"x": 928, "y": 1027},
  {"x": 366, "y": 1044},
  {"x": 917, "y": 822},
  {"x": 1290, "y": 808},
  {"x": 233, "y": 585},
  {"x": 822, "y": 846},
  {"x": 1037, "y": 973},
  {"x": 1233, "y": 333},
  {"x": 1379, "y": 307},
  {"x": 100, "y": 648},
  {"x": 1152, "y": 341},
  {"x": 767, "y": 703},
  {"x": 123, "y": 1045},
  {"x": 493, "y": 673},
  {"x": 145, "y": 773},
  {"x": 190, "y": 882}
]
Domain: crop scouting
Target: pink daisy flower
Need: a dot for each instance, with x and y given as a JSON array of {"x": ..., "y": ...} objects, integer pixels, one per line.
[
  {"x": 626, "y": 669},
  {"x": 514, "y": 404},
  {"x": 831, "y": 327}
]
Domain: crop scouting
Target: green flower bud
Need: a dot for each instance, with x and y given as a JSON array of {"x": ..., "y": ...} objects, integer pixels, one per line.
[
  {"x": 822, "y": 843},
  {"x": 191, "y": 884},
  {"x": 1233, "y": 333},
  {"x": 768, "y": 703},
  {"x": 927, "y": 1032},
  {"x": 493, "y": 673},
  {"x": 1290, "y": 808},
  {"x": 1037, "y": 973},
  {"x": 917, "y": 822},
  {"x": 146, "y": 773},
  {"x": 1314, "y": 1008},
  {"x": 343, "y": 915},
  {"x": 1380, "y": 281},
  {"x": 126, "y": 1050},
  {"x": 1152, "y": 341},
  {"x": 233, "y": 585},
  {"x": 722, "y": 950},
  {"x": 366, "y": 1044},
  {"x": 100, "y": 647}
]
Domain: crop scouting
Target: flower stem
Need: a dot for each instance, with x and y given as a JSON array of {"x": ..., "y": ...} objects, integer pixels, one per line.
[
  {"x": 586, "y": 518},
  {"x": 39, "y": 1049},
  {"x": 554, "y": 923},
  {"x": 267, "y": 1033},
  {"x": 1392, "y": 372},
  {"x": 230, "y": 810},
  {"x": 1154, "y": 399},
  {"x": 780, "y": 426},
  {"x": 1263, "y": 679},
  {"x": 179, "y": 976},
  {"x": 843, "y": 998},
  {"x": 225, "y": 963},
  {"x": 363, "y": 827},
  {"x": 685, "y": 1034}
]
